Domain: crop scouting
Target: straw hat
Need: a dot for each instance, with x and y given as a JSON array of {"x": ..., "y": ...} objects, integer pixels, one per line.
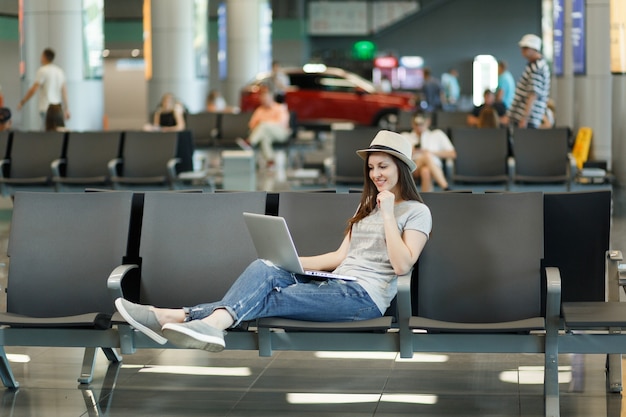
[{"x": 393, "y": 144}]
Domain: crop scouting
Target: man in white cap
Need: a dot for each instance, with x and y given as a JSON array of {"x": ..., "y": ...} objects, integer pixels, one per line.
[{"x": 533, "y": 88}]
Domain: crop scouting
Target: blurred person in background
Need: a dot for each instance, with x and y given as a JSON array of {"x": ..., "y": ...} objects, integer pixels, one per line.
[
  {"x": 50, "y": 82},
  {"x": 430, "y": 147},
  {"x": 489, "y": 114},
  {"x": 169, "y": 116},
  {"x": 532, "y": 90},
  {"x": 451, "y": 89},
  {"x": 506, "y": 85},
  {"x": 215, "y": 103},
  {"x": 5, "y": 118}
]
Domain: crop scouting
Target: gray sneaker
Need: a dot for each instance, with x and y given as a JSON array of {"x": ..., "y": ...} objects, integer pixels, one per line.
[
  {"x": 195, "y": 334},
  {"x": 141, "y": 318}
]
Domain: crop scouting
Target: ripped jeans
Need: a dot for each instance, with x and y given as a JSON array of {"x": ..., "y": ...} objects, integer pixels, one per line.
[{"x": 264, "y": 290}]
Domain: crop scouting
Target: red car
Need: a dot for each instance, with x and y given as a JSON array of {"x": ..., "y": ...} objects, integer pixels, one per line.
[{"x": 319, "y": 93}]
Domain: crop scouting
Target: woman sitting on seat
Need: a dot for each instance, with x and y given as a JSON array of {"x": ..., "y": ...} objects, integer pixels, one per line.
[
  {"x": 169, "y": 117},
  {"x": 383, "y": 240}
]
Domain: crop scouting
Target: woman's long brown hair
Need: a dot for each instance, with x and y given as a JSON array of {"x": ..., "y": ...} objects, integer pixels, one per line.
[{"x": 408, "y": 190}]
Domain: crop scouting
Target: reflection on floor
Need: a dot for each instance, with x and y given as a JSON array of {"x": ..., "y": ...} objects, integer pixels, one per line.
[
  {"x": 194, "y": 383},
  {"x": 240, "y": 383}
]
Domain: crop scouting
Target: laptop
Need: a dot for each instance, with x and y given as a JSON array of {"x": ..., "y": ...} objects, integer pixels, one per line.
[{"x": 273, "y": 242}]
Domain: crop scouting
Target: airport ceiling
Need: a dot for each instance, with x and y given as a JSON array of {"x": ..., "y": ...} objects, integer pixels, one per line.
[{"x": 132, "y": 9}]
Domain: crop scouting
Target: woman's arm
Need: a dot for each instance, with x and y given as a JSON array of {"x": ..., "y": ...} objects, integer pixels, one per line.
[
  {"x": 327, "y": 261},
  {"x": 156, "y": 118},
  {"x": 403, "y": 248},
  {"x": 180, "y": 118}
]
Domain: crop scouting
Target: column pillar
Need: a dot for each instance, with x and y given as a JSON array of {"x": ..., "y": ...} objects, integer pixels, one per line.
[
  {"x": 618, "y": 19},
  {"x": 249, "y": 48},
  {"x": 172, "y": 46},
  {"x": 595, "y": 99},
  {"x": 565, "y": 83},
  {"x": 59, "y": 25}
]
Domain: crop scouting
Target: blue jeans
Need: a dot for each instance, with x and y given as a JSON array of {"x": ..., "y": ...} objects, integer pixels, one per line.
[{"x": 265, "y": 290}]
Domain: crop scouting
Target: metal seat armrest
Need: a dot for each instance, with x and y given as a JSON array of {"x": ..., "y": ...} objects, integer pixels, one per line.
[
  {"x": 553, "y": 297},
  {"x": 552, "y": 322},
  {"x": 113, "y": 166},
  {"x": 114, "y": 282},
  {"x": 171, "y": 168},
  {"x": 403, "y": 300},
  {"x": 56, "y": 166},
  {"x": 4, "y": 167},
  {"x": 614, "y": 271}
]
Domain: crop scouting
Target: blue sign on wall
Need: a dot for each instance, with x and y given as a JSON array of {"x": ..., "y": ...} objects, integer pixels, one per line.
[
  {"x": 557, "y": 35},
  {"x": 578, "y": 37},
  {"x": 222, "y": 36}
]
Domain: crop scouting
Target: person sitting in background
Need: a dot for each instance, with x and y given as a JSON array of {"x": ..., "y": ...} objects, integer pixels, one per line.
[
  {"x": 269, "y": 123},
  {"x": 483, "y": 115},
  {"x": 429, "y": 148},
  {"x": 215, "y": 103},
  {"x": 5, "y": 118},
  {"x": 169, "y": 116}
]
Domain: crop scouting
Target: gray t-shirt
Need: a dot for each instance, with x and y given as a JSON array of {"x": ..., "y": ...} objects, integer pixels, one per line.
[{"x": 367, "y": 258}]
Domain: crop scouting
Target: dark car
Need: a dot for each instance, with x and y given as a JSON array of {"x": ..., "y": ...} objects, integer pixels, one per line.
[{"x": 319, "y": 93}]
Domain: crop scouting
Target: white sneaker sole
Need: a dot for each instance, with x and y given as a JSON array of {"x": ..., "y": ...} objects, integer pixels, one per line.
[
  {"x": 187, "y": 338},
  {"x": 138, "y": 326}
]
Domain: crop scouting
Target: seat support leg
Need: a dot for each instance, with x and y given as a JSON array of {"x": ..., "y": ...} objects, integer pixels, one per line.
[
  {"x": 614, "y": 372},
  {"x": 89, "y": 363},
  {"x": 112, "y": 354},
  {"x": 6, "y": 373}
]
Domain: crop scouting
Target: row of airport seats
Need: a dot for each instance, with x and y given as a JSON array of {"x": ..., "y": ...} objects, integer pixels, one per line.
[
  {"x": 444, "y": 120},
  {"x": 216, "y": 131},
  {"x": 486, "y": 281},
  {"x": 61, "y": 160},
  {"x": 483, "y": 155},
  {"x": 221, "y": 130},
  {"x": 494, "y": 155}
]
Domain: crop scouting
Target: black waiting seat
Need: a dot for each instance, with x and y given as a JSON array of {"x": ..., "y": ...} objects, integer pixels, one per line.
[
  {"x": 193, "y": 246},
  {"x": 148, "y": 159},
  {"x": 405, "y": 121},
  {"x": 86, "y": 159},
  {"x": 481, "y": 155},
  {"x": 28, "y": 159},
  {"x": 5, "y": 137},
  {"x": 541, "y": 155},
  {"x": 577, "y": 239},
  {"x": 204, "y": 128},
  {"x": 326, "y": 234},
  {"x": 233, "y": 126},
  {"x": 62, "y": 248},
  {"x": 317, "y": 222},
  {"x": 481, "y": 274},
  {"x": 448, "y": 120},
  {"x": 349, "y": 165}
]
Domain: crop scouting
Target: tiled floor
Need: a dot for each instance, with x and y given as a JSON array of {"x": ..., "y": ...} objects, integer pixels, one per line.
[{"x": 240, "y": 383}]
